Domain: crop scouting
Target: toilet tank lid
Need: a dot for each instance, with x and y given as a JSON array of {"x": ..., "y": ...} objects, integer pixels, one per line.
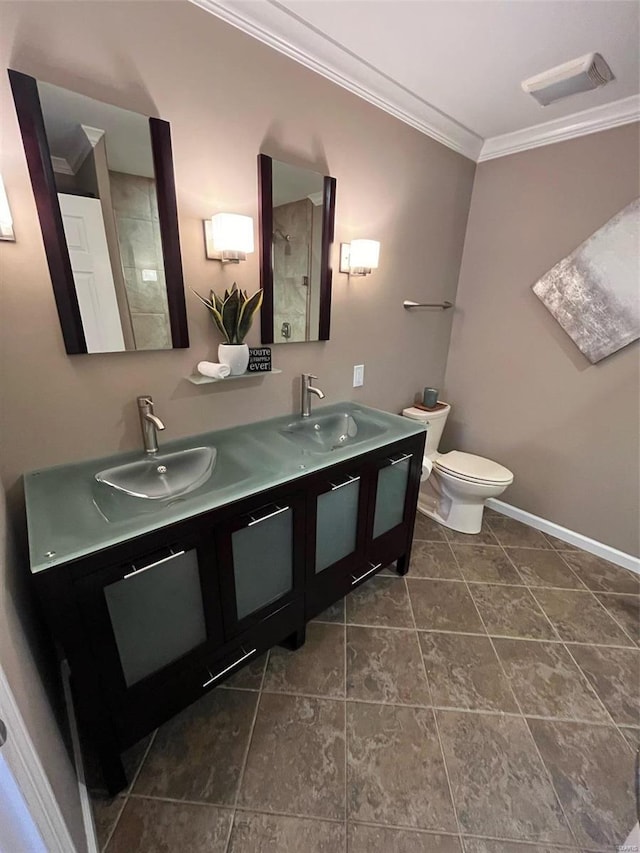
[
  {"x": 422, "y": 415},
  {"x": 473, "y": 467}
]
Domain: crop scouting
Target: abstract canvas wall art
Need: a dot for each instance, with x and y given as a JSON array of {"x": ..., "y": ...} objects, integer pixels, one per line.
[{"x": 594, "y": 293}]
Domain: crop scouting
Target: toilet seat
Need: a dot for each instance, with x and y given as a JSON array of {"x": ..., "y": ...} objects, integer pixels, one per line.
[{"x": 472, "y": 468}]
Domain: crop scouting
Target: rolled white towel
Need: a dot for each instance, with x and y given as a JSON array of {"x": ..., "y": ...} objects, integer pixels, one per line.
[
  {"x": 427, "y": 467},
  {"x": 213, "y": 370}
]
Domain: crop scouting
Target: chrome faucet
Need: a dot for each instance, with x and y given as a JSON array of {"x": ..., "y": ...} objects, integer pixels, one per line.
[
  {"x": 307, "y": 390},
  {"x": 149, "y": 424}
]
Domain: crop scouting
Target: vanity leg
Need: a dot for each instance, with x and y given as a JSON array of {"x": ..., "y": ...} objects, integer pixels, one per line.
[
  {"x": 402, "y": 564},
  {"x": 93, "y": 720},
  {"x": 113, "y": 773},
  {"x": 296, "y": 640}
]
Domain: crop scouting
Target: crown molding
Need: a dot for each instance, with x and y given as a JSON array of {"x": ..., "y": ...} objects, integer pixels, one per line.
[
  {"x": 624, "y": 111},
  {"x": 61, "y": 166},
  {"x": 277, "y": 27},
  {"x": 280, "y": 29}
]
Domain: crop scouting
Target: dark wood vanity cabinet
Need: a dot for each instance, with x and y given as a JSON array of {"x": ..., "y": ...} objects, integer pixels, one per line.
[{"x": 151, "y": 624}]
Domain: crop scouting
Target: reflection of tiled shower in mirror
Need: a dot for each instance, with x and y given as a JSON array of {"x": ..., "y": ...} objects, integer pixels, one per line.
[{"x": 297, "y": 242}]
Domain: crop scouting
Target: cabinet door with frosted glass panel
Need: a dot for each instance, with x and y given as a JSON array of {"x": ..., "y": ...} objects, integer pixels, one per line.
[
  {"x": 145, "y": 616},
  {"x": 335, "y": 534},
  {"x": 260, "y": 552},
  {"x": 396, "y": 479}
]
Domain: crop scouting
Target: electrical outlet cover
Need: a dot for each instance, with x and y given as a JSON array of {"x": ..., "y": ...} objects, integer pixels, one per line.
[{"x": 358, "y": 375}]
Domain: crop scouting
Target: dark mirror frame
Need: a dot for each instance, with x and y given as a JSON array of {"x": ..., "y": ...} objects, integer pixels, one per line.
[
  {"x": 34, "y": 139},
  {"x": 265, "y": 205}
]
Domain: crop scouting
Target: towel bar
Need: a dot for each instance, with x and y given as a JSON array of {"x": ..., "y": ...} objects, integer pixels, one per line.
[{"x": 443, "y": 305}]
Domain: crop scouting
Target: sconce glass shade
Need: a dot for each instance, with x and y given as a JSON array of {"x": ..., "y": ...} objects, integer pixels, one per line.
[
  {"x": 6, "y": 220},
  {"x": 232, "y": 236},
  {"x": 364, "y": 256}
]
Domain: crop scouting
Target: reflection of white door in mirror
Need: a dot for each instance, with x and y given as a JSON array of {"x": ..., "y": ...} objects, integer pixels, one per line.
[{"x": 89, "y": 254}]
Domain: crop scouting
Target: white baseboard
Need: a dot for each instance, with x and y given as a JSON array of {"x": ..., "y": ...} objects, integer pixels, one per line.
[{"x": 627, "y": 561}]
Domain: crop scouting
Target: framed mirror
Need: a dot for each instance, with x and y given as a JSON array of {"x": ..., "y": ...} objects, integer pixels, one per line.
[
  {"x": 103, "y": 183},
  {"x": 297, "y": 213}
]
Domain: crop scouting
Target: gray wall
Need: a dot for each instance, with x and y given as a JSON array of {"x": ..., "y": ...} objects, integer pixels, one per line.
[
  {"x": 522, "y": 392},
  {"x": 20, "y": 642},
  {"x": 227, "y": 98}
]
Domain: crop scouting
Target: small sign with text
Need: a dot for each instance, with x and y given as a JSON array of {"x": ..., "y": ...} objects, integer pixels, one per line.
[{"x": 259, "y": 360}]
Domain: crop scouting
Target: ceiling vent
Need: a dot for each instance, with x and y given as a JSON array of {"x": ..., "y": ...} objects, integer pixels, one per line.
[{"x": 579, "y": 75}]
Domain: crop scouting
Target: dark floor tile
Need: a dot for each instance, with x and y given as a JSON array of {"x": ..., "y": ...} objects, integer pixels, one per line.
[
  {"x": 632, "y": 736},
  {"x": 625, "y": 609},
  {"x": 106, "y": 811},
  {"x": 484, "y": 537},
  {"x": 546, "y": 681},
  {"x": 511, "y": 611},
  {"x": 484, "y": 564},
  {"x": 538, "y": 567},
  {"x": 485, "y": 845},
  {"x": 615, "y": 676},
  {"x": 381, "y": 839},
  {"x": 380, "y": 601},
  {"x": 433, "y": 560},
  {"x": 464, "y": 672},
  {"x": 443, "y": 606},
  {"x": 296, "y": 761},
  {"x": 263, "y": 833},
  {"x": 559, "y": 544},
  {"x": 593, "y": 773},
  {"x": 428, "y": 529},
  {"x": 249, "y": 677},
  {"x": 500, "y": 786},
  {"x": 158, "y": 826},
  {"x": 513, "y": 533},
  {"x": 334, "y": 613},
  {"x": 600, "y": 575},
  {"x": 579, "y": 617},
  {"x": 384, "y": 665},
  {"x": 198, "y": 754},
  {"x": 316, "y": 668},
  {"x": 393, "y": 759}
]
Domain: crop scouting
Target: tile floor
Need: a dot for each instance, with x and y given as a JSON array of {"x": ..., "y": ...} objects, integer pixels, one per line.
[{"x": 488, "y": 703}]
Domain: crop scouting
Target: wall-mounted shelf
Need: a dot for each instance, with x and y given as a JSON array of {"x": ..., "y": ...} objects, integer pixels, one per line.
[
  {"x": 409, "y": 304},
  {"x": 198, "y": 379}
]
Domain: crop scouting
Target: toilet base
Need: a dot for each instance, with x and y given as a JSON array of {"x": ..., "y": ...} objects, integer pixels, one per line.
[
  {"x": 465, "y": 519},
  {"x": 456, "y": 504}
]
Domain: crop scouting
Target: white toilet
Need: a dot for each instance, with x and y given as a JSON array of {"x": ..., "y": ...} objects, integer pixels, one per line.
[{"x": 455, "y": 485}]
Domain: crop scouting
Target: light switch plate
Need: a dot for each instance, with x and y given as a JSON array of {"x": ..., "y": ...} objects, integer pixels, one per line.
[
  {"x": 358, "y": 375},
  {"x": 345, "y": 255}
]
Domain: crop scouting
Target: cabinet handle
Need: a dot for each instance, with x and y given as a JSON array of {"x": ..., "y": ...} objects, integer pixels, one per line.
[
  {"x": 370, "y": 571},
  {"x": 347, "y": 482},
  {"x": 227, "y": 668},
  {"x": 139, "y": 571},
  {"x": 403, "y": 458},
  {"x": 277, "y": 511}
]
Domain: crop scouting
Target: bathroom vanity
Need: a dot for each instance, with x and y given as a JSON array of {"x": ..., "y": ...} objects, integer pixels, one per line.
[{"x": 156, "y": 600}]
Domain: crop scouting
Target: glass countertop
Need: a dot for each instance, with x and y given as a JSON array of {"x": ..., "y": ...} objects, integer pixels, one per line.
[{"x": 70, "y": 514}]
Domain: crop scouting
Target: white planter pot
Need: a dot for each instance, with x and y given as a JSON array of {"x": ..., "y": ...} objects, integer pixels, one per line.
[{"x": 236, "y": 356}]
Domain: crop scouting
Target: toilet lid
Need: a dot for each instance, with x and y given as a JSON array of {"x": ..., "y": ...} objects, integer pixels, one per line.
[{"x": 467, "y": 466}]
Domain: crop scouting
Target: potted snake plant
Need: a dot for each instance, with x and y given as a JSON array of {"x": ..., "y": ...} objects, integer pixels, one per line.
[{"x": 233, "y": 315}]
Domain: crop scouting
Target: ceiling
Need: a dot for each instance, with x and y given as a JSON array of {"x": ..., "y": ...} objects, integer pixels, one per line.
[{"x": 453, "y": 68}]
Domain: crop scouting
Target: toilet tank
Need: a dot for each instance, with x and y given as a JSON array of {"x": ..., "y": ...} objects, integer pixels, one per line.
[{"x": 434, "y": 421}]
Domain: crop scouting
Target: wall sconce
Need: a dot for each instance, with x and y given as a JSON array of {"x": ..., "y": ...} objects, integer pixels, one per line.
[
  {"x": 359, "y": 257},
  {"x": 228, "y": 237},
  {"x": 6, "y": 220}
]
